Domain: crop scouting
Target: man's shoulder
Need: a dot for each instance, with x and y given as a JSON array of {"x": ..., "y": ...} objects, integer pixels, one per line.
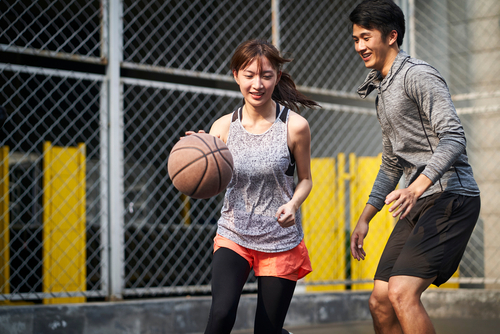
[{"x": 416, "y": 67}]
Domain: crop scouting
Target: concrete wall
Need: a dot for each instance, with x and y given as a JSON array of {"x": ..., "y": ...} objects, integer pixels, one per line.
[
  {"x": 457, "y": 37},
  {"x": 483, "y": 22},
  {"x": 189, "y": 315}
]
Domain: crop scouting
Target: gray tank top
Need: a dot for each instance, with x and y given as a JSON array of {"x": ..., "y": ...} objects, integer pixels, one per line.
[{"x": 263, "y": 180}]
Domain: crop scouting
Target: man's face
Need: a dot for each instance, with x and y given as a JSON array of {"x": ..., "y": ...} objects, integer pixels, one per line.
[{"x": 372, "y": 48}]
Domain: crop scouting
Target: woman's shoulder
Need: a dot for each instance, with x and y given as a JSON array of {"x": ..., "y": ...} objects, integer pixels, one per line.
[
  {"x": 220, "y": 128},
  {"x": 297, "y": 122}
]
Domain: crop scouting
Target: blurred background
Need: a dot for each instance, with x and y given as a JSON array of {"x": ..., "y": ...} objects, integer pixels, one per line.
[{"x": 98, "y": 92}]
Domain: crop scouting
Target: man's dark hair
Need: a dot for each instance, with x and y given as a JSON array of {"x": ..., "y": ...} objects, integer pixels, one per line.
[{"x": 383, "y": 15}]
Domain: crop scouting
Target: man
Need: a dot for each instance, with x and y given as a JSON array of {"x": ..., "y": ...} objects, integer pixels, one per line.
[{"x": 424, "y": 140}]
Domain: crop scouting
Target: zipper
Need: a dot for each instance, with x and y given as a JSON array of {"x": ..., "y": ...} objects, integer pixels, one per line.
[{"x": 385, "y": 113}]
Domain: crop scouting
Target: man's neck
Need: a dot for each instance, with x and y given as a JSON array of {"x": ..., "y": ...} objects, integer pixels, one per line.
[{"x": 391, "y": 56}]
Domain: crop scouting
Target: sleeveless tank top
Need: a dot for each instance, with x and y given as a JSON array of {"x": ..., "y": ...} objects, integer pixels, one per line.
[{"x": 263, "y": 180}]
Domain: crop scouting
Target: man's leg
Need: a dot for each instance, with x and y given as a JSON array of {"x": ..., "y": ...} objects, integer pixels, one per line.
[
  {"x": 404, "y": 294},
  {"x": 384, "y": 317}
]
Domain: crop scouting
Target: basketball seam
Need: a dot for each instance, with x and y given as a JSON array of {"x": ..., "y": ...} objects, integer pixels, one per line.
[
  {"x": 215, "y": 160},
  {"x": 204, "y": 155},
  {"x": 223, "y": 157},
  {"x": 218, "y": 167}
]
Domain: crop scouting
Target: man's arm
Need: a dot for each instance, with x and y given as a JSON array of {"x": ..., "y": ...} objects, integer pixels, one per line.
[
  {"x": 360, "y": 232},
  {"x": 427, "y": 88},
  {"x": 388, "y": 175},
  {"x": 387, "y": 179}
]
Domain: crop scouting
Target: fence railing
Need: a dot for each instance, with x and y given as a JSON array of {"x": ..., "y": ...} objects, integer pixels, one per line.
[{"x": 112, "y": 85}]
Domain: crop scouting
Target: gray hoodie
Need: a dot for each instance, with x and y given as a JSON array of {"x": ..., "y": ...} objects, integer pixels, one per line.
[{"x": 421, "y": 131}]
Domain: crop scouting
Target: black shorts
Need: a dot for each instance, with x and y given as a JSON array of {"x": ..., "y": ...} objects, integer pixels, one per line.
[{"x": 431, "y": 240}]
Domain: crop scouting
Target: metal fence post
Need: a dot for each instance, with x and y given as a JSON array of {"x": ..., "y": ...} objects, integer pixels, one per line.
[
  {"x": 115, "y": 152},
  {"x": 275, "y": 5},
  {"x": 103, "y": 156},
  {"x": 411, "y": 25},
  {"x": 403, "y": 4}
]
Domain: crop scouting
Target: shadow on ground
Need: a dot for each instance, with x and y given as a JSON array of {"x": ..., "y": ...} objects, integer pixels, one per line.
[{"x": 443, "y": 326}]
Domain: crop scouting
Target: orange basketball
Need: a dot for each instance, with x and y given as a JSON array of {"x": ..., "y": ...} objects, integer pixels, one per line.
[{"x": 200, "y": 165}]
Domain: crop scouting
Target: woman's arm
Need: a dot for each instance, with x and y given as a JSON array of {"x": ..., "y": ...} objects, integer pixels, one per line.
[
  {"x": 299, "y": 142},
  {"x": 220, "y": 128}
]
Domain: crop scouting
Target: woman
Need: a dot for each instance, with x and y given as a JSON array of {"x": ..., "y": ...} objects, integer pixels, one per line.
[{"x": 260, "y": 224}]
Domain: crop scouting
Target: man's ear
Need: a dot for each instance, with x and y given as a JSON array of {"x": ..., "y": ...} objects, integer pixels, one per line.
[{"x": 393, "y": 37}]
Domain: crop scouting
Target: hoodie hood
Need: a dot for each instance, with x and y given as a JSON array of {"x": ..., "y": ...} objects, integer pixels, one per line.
[{"x": 374, "y": 78}]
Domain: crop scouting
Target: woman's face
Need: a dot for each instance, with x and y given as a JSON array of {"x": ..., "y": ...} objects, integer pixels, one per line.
[{"x": 257, "y": 84}]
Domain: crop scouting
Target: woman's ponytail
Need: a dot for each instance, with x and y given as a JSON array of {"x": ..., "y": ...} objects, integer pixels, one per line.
[{"x": 286, "y": 93}]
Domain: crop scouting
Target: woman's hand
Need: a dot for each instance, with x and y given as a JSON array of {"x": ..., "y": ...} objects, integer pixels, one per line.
[
  {"x": 188, "y": 133},
  {"x": 285, "y": 216}
]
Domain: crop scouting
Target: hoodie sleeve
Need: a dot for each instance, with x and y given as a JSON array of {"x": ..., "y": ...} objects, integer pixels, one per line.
[
  {"x": 425, "y": 86},
  {"x": 388, "y": 176}
]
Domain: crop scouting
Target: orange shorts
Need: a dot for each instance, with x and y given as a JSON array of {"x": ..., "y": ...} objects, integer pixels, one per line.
[{"x": 292, "y": 264}]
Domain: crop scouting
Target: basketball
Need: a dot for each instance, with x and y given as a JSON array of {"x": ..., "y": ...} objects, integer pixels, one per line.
[{"x": 200, "y": 165}]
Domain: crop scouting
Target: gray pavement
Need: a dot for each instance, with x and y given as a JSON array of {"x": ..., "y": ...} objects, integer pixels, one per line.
[
  {"x": 457, "y": 311},
  {"x": 443, "y": 326}
]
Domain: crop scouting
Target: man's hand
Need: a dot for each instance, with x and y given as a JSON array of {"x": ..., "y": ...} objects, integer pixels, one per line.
[
  {"x": 360, "y": 231},
  {"x": 357, "y": 238},
  {"x": 405, "y": 199}
]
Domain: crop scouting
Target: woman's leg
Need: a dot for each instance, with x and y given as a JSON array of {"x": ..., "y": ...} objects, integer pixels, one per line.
[
  {"x": 229, "y": 274},
  {"x": 274, "y": 297}
]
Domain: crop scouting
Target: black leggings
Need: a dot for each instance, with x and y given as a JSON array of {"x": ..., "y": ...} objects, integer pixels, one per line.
[{"x": 229, "y": 274}]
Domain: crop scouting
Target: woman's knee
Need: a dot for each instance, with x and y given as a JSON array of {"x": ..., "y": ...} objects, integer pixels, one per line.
[{"x": 221, "y": 318}]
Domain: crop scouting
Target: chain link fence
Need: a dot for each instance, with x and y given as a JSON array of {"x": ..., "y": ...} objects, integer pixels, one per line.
[
  {"x": 61, "y": 109},
  {"x": 66, "y": 29},
  {"x": 57, "y": 231}
]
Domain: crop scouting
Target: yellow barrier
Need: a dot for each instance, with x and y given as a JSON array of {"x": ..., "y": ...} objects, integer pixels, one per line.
[
  {"x": 324, "y": 227},
  {"x": 4, "y": 221},
  {"x": 64, "y": 239},
  {"x": 324, "y": 222},
  {"x": 364, "y": 171}
]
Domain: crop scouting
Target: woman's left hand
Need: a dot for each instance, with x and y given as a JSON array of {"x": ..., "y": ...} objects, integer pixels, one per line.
[{"x": 285, "y": 216}]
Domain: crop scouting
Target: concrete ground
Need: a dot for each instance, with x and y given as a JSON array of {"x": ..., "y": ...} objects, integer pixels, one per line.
[
  {"x": 443, "y": 326},
  {"x": 456, "y": 311}
]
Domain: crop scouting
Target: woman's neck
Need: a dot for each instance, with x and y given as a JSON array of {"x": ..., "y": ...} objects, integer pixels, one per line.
[
  {"x": 264, "y": 112},
  {"x": 258, "y": 120}
]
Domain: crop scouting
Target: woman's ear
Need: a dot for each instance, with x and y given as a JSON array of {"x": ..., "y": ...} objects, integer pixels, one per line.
[
  {"x": 235, "y": 75},
  {"x": 278, "y": 78}
]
